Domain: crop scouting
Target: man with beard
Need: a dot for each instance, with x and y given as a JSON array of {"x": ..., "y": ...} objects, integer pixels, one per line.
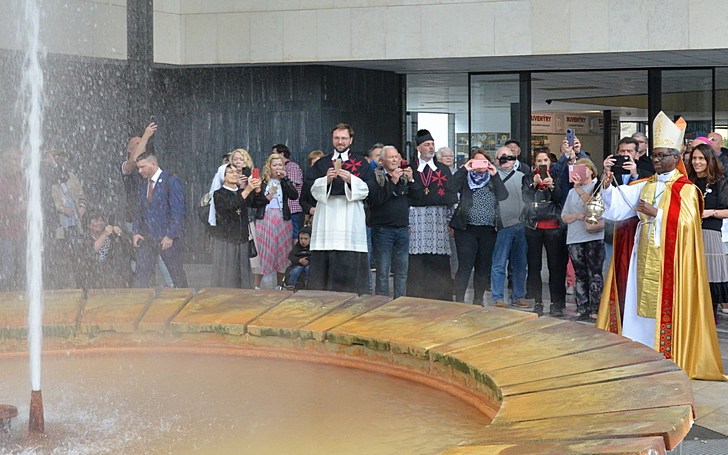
[
  {"x": 429, "y": 248},
  {"x": 339, "y": 183}
]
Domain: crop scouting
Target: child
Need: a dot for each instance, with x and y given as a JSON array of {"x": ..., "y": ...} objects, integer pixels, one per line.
[{"x": 300, "y": 258}]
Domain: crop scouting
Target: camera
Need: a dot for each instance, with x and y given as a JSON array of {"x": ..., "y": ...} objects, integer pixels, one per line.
[
  {"x": 618, "y": 166},
  {"x": 403, "y": 164}
]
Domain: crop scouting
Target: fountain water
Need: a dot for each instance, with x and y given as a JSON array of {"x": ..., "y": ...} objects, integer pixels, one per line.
[{"x": 32, "y": 97}]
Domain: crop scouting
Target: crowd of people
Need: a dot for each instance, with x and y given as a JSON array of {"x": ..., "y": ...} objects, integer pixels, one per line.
[{"x": 427, "y": 228}]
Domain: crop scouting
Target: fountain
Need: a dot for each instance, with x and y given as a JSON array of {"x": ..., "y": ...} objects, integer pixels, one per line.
[
  {"x": 32, "y": 95},
  {"x": 511, "y": 367}
]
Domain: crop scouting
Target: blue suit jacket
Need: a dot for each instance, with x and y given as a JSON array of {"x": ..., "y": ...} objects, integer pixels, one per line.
[{"x": 165, "y": 213}]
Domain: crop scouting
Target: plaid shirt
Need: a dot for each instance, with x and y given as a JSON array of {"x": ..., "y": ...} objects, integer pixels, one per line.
[{"x": 294, "y": 172}]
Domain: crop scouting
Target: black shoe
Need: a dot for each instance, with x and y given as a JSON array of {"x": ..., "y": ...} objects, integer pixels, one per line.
[
  {"x": 556, "y": 312},
  {"x": 538, "y": 309},
  {"x": 581, "y": 317}
]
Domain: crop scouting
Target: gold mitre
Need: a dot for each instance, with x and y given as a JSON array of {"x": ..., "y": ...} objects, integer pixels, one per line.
[{"x": 667, "y": 134}]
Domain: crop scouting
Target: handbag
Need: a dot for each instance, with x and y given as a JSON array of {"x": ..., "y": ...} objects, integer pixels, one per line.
[
  {"x": 252, "y": 249},
  {"x": 203, "y": 209}
]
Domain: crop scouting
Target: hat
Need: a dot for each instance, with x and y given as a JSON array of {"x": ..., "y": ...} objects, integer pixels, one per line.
[
  {"x": 423, "y": 136},
  {"x": 512, "y": 141},
  {"x": 666, "y": 133}
]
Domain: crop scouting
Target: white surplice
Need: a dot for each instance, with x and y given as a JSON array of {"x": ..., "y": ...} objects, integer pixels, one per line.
[{"x": 339, "y": 222}]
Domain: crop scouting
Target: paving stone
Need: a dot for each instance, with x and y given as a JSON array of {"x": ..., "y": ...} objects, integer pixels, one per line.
[
  {"x": 393, "y": 320},
  {"x": 117, "y": 310},
  {"x": 164, "y": 308},
  {"x": 296, "y": 311},
  {"x": 341, "y": 314},
  {"x": 632, "y": 446},
  {"x": 624, "y": 352},
  {"x": 670, "y": 423},
  {"x": 659, "y": 390},
  {"x": 225, "y": 311}
]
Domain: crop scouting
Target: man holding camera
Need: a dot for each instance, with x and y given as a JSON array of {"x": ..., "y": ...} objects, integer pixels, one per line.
[
  {"x": 389, "y": 219},
  {"x": 624, "y": 164}
]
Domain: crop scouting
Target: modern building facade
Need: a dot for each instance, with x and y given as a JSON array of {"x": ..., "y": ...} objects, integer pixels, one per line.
[{"x": 221, "y": 74}]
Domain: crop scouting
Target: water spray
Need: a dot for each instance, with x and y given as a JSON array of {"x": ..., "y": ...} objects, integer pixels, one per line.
[{"x": 32, "y": 96}]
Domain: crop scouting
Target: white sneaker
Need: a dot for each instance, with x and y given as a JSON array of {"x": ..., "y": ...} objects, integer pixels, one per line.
[
  {"x": 570, "y": 290},
  {"x": 257, "y": 288}
]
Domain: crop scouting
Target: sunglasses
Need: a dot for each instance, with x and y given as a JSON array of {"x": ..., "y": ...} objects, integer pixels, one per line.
[{"x": 506, "y": 158}]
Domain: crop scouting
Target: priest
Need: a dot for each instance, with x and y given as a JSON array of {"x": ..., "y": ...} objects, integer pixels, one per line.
[{"x": 667, "y": 304}]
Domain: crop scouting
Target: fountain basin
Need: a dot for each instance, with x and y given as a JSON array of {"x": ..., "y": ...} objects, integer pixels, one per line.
[{"x": 549, "y": 386}]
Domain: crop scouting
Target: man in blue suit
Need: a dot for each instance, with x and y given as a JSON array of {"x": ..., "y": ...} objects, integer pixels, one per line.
[{"x": 158, "y": 222}]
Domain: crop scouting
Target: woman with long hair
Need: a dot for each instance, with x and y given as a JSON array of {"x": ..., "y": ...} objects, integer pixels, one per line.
[
  {"x": 544, "y": 231},
  {"x": 273, "y": 228},
  {"x": 706, "y": 172}
]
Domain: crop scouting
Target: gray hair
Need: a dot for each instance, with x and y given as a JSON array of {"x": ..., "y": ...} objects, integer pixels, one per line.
[
  {"x": 387, "y": 147},
  {"x": 442, "y": 149}
]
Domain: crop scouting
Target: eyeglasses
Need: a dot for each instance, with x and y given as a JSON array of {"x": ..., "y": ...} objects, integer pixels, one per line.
[{"x": 662, "y": 156}]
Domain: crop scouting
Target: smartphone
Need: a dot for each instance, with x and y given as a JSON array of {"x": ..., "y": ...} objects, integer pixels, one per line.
[
  {"x": 570, "y": 135},
  {"x": 479, "y": 164},
  {"x": 153, "y": 119},
  {"x": 618, "y": 166},
  {"x": 256, "y": 173},
  {"x": 543, "y": 171},
  {"x": 577, "y": 169},
  {"x": 403, "y": 164}
]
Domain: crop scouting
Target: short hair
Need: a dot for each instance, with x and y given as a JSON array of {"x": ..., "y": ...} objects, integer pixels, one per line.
[
  {"x": 639, "y": 135},
  {"x": 343, "y": 126},
  {"x": 629, "y": 140},
  {"x": 378, "y": 145},
  {"x": 589, "y": 164},
  {"x": 439, "y": 151},
  {"x": 282, "y": 149},
  {"x": 389, "y": 147},
  {"x": 148, "y": 155}
]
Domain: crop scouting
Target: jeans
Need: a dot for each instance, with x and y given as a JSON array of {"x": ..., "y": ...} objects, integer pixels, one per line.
[
  {"x": 475, "y": 250},
  {"x": 510, "y": 246},
  {"x": 554, "y": 241},
  {"x": 391, "y": 251},
  {"x": 296, "y": 223},
  {"x": 294, "y": 274}
]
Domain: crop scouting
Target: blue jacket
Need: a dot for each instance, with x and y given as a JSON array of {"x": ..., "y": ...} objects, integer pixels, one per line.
[{"x": 164, "y": 215}]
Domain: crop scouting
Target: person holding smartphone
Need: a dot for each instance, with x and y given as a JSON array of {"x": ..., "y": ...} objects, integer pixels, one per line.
[
  {"x": 570, "y": 153},
  {"x": 544, "y": 230},
  {"x": 623, "y": 164},
  {"x": 475, "y": 222},
  {"x": 586, "y": 245}
]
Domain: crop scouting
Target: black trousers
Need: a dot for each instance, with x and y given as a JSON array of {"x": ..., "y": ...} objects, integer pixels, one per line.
[
  {"x": 475, "y": 250},
  {"x": 557, "y": 256}
]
